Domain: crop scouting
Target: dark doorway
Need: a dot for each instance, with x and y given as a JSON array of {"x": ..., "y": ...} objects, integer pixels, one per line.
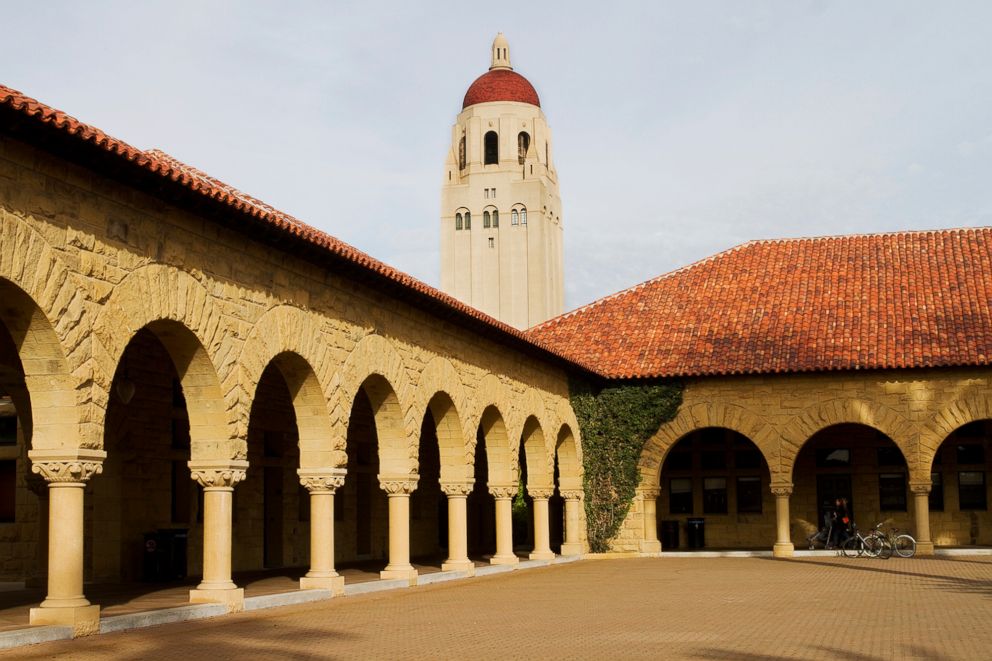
[
  {"x": 273, "y": 556},
  {"x": 830, "y": 487}
]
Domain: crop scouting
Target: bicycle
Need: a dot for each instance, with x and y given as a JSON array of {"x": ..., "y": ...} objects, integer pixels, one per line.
[
  {"x": 903, "y": 545},
  {"x": 858, "y": 544}
]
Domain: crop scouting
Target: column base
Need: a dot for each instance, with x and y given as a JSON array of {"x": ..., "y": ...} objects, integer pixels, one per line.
[
  {"x": 405, "y": 573},
  {"x": 924, "y": 548},
  {"x": 333, "y": 583},
  {"x": 783, "y": 550},
  {"x": 84, "y": 620},
  {"x": 233, "y": 598},
  {"x": 542, "y": 555},
  {"x": 459, "y": 565},
  {"x": 649, "y": 546},
  {"x": 571, "y": 549},
  {"x": 504, "y": 560}
]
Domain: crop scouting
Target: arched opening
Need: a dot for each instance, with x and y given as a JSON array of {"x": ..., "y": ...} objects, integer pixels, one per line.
[
  {"x": 523, "y": 144},
  {"x": 486, "y": 219},
  {"x": 23, "y": 495},
  {"x": 458, "y": 220},
  {"x": 536, "y": 483},
  {"x": 491, "y": 148},
  {"x": 165, "y": 408},
  {"x": 959, "y": 490},
  {"x": 461, "y": 153},
  {"x": 715, "y": 493},
  {"x": 492, "y": 468},
  {"x": 565, "y": 505},
  {"x": 854, "y": 462}
]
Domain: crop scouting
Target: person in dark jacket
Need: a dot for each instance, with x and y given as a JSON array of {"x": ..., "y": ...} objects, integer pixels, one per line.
[{"x": 841, "y": 522}]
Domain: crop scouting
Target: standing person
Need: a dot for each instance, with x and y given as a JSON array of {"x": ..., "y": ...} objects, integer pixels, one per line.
[{"x": 841, "y": 519}]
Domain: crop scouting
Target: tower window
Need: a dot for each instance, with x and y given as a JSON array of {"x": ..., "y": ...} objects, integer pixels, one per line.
[
  {"x": 468, "y": 220},
  {"x": 523, "y": 216},
  {"x": 514, "y": 217},
  {"x": 491, "y": 148},
  {"x": 485, "y": 219},
  {"x": 461, "y": 153},
  {"x": 492, "y": 242},
  {"x": 523, "y": 144},
  {"x": 495, "y": 218},
  {"x": 458, "y": 221}
]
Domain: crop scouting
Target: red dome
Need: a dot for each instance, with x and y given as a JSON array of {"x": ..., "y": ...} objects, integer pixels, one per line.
[{"x": 501, "y": 85}]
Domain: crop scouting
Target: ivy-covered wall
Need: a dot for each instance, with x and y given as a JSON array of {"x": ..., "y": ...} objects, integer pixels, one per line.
[{"x": 616, "y": 420}]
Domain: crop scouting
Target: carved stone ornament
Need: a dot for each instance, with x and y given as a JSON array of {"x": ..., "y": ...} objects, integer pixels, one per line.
[
  {"x": 540, "y": 493},
  {"x": 219, "y": 475},
  {"x": 322, "y": 481},
  {"x": 62, "y": 467},
  {"x": 456, "y": 488},
  {"x": 573, "y": 494},
  {"x": 649, "y": 493},
  {"x": 503, "y": 491},
  {"x": 921, "y": 488},
  {"x": 398, "y": 484},
  {"x": 781, "y": 489}
]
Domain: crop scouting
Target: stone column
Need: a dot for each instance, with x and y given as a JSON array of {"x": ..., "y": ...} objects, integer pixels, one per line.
[
  {"x": 573, "y": 504},
  {"x": 542, "y": 525},
  {"x": 322, "y": 485},
  {"x": 66, "y": 473},
  {"x": 921, "y": 502},
  {"x": 649, "y": 513},
  {"x": 457, "y": 493},
  {"x": 504, "y": 525},
  {"x": 398, "y": 489},
  {"x": 218, "y": 479},
  {"x": 783, "y": 539}
]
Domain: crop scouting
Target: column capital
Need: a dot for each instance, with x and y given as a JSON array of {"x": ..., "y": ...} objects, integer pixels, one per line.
[
  {"x": 541, "y": 493},
  {"x": 321, "y": 480},
  {"x": 653, "y": 491},
  {"x": 457, "y": 488},
  {"x": 783, "y": 489},
  {"x": 920, "y": 487},
  {"x": 503, "y": 490},
  {"x": 223, "y": 474},
  {"x": 572, "y": 494},
  {"x": 67, "y": 466},
  {"x": 395, "y": 485}
]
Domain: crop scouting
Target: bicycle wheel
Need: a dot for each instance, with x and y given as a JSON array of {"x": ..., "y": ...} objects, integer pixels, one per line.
[
  {"x": 884, "y": 548},
  {"x": 873, "y": 546},
  {"x": 852, "y": 547},
  {"x": 905, "y": 546}
]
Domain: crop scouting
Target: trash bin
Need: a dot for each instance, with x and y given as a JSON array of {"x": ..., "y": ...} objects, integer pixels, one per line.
[
  {"x": 696, "y": 533},
  {"x": 165, "y": 555},
  {"x": 669, "y": 535}
]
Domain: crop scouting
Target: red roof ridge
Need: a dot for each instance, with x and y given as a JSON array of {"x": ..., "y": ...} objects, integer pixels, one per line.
[{"x": 164, "y": 165}]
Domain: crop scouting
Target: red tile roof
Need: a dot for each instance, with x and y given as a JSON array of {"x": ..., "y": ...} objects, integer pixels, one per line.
[
  {"x": 902, "y": 300},
  {"x": 501, "y": 85},
  {"x": 165, "y": 168}
]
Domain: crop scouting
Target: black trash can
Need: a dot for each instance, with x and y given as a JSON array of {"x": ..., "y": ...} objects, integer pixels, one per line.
[
  {"x": 669, "y": 535},
  {"x": 696, "y": 533},
  {"x": 165, "y": 555}
]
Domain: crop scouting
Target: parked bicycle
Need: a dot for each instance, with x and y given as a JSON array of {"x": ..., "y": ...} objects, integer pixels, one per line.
[
  {"x": 902, "y": 544},
  {"x": 858, "y": 544}
]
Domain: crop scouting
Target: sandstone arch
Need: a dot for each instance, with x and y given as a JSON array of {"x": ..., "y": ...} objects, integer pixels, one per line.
[
  {"x": 540, "y": 471},
  {"x": 960, "y": 412},
  {"x": 290, "y": 339},
  {"x": 440, "y": 376},
  {"x": 700, "y": 416},
  {"x": 503, "y": 468},
  {"x": 569, "y": 460},
  {"x": 846, "y": 411},
  {"x": 177, "y": 309}
]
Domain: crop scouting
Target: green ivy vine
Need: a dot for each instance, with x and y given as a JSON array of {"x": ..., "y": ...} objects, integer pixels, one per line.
[{"x": 616, "y": 421}]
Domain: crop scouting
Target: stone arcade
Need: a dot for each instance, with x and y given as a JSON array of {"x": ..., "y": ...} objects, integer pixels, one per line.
[{"x": 157, "y": 325}]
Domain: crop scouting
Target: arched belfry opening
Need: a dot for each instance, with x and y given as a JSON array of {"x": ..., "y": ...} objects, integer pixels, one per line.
[
  {"x": 491, "y": 148},
  {"x": 523, "y": 145}
]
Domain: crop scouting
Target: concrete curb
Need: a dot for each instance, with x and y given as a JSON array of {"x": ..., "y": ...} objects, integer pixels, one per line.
[
  {"x": 441, "y": 577},
  {"x": 286, "y": 599},
  {"x": 375, "y": 586},
  {"x": 33, "y": 635},
  {"x": 163, "y": 616}
]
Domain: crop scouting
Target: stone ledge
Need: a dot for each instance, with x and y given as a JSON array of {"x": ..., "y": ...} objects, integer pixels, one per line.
[
  {"x": 286, "y": 599},
  {"x": 441, "y": 577},
  {"x": 33, "y": 636},
  {"x": 163, "y": 616},
  {"x": 376, "y": 586}
]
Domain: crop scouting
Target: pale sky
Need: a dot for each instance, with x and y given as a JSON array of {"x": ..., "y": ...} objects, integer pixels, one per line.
[{"x": 681, "y": 128}]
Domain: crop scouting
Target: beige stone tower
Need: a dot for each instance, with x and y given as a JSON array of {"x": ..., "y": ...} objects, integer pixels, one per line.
[{"x": 501, "y": 227}]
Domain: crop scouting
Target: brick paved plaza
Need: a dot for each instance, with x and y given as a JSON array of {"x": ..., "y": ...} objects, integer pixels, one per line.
[{"x": 725, "y": 608}]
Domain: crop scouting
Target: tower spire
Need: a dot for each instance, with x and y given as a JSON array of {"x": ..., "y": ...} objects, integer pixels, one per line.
[{"x": 501, "y": 53}]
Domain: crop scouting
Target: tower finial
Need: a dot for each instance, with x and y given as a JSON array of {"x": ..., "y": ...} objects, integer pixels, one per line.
[{"x": 501, "y": 53}]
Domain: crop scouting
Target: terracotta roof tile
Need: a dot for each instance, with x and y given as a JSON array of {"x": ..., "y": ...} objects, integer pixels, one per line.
[
  {"x": 901, "y": 300},
  {"x": 500, "y": 85}
]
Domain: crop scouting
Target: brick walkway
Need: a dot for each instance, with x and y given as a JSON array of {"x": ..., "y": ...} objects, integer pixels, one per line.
[{"x": 723, "y": 608}]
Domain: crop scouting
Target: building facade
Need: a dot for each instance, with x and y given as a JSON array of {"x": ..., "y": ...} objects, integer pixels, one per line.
[{"x": 501, "y": 223}]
